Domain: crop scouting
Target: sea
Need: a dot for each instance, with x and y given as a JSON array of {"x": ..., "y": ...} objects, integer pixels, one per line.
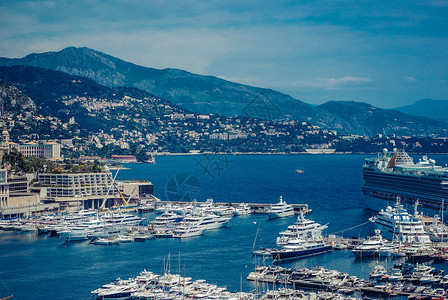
[{"x": 41, "y": 267}]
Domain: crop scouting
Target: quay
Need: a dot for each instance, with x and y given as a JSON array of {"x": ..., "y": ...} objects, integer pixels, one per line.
[{"x": 258, "y": 208}]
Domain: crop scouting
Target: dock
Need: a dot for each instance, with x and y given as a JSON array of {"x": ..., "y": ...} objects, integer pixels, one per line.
[{"x": 258, "y": 208}]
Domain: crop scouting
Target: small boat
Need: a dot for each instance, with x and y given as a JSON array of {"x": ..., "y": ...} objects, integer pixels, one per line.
[
  {"x": 299, "y": 171},
  {"x": 141, "y": 237},
  {"x": 125, "y": 239},
  {"x": 263, "y": 252},
  {"x": 242, "y": 210},
  {"x": 106, "y": 241}
]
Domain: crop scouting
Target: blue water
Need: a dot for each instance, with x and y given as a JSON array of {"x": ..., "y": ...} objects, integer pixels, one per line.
[{"x": 39, "y": 267}]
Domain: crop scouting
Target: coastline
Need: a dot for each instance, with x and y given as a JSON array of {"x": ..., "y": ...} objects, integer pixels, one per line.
[{"x": 282, "y": 153}]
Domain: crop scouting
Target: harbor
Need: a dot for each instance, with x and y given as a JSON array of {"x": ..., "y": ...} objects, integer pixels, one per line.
[{"x": 223, "y": 256}]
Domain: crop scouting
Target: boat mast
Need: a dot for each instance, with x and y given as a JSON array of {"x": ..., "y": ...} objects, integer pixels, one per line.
[{"x": 399, "y": 218}]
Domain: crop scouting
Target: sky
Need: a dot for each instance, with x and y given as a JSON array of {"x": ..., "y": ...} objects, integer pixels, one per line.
[{"x": 386, "y": 53}]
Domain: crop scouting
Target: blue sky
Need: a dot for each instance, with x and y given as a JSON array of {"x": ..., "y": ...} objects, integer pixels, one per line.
[{"x": 386, "y": 53}]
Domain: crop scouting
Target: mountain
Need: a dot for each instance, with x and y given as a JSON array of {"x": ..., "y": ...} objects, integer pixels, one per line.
[
  {"x": 433, "y": 109},
  {"x": 363, "y": 117},
  {"x": 46, "y": 88},
  {"x": 203, "y": 94},
  {"x": 212, "y": 95},
  {"x": 11, "y": 98}
]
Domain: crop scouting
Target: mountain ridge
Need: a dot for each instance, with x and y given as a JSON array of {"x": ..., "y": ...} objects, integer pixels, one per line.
[
  {"x": 429, "y": 108},
  {"x": 210, "y": 94}
]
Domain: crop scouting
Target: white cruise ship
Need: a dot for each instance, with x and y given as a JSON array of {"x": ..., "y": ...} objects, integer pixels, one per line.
[
  {"x": 397, "y": 223},
  {"x": 395, "y": 174},
  {"x": 280, "y": 210}
]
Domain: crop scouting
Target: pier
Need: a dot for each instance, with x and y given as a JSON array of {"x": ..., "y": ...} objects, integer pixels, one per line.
[{"x": 258, "y": 208}]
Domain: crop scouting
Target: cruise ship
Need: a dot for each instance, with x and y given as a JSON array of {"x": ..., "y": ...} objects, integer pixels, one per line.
[{"x": 392, "y": 175}]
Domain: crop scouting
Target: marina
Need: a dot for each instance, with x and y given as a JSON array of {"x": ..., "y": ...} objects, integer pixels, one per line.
[{"x": 222, "y": 256}]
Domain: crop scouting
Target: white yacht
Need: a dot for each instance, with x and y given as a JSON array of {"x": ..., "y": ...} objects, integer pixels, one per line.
[
  {"x": 120, "y": 218},
  {"x": 166, "y": 220},
  {"x": 303, "y": 228},
  {"x": 397, "y": 223},
  {"x": 280, "y": 210},
  {"x": 188, "y": 230},
  {"x": 371, "y": 247},
  {"x": 298, "y": 248},
  {"x": 206, "y": 220},
  {"x": 242, "y": 210},
  {"x": 224, "y": 210},
  {"x": 75, "y": 233}
]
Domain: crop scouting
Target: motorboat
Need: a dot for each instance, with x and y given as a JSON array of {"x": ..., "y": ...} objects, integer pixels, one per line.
[
  {"x": 242, "y": 210},
  {"x": 224, "y": 210}
]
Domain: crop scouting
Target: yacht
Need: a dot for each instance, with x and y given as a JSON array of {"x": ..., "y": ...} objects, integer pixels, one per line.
[
  {"x": 242, "y": 210},
  {"x": 188, "y": 230},
  {"x": 167, "y": 219},
  {"x": 107, "y": 231},
  {"x": 205, "y": 220},
  {"x": 397, "y": 223},
  {"x": 302, "y": 228},
  {"x": 371, "y": 247},
  {"x": 299, "y": 248},
  {"x": 120, "y": 218},
  {"x": 280, "y": 210},
  {"x": 224, "y": 210},
  {"x": 75, "y": 233}
]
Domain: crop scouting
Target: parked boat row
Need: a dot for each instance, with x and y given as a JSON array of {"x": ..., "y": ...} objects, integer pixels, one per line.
[
  {"x": 148, "y": 285},
  {"x": 413, "y": 281},
  {"x": 316, "y": 278}
]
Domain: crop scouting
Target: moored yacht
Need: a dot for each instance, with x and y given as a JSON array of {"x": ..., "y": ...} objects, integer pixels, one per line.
[
  {"x": 167, "y": 219},
  {"x": 370, "y": 247},
  {"x": 302, "y": 228},
  {"x": 120, "y": 218},
  {"x": 397, "y": 223},
  {"x": 280, "y": 210},
  {"x": 190, "y": 230},
  {"x": 242, "y": 210},
  {"x": 299, "y": 248}
]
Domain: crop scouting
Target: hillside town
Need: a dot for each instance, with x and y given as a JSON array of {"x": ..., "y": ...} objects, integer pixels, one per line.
[{"x": 145, "y": 127}]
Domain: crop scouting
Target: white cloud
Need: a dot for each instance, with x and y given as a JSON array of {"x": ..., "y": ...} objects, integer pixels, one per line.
[
  {"x": 410, "y": 79},
  {"x": 343, "y": 82}
]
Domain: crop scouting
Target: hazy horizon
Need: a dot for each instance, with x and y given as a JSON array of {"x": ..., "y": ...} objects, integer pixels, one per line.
[{"x": 386, "y": 54}]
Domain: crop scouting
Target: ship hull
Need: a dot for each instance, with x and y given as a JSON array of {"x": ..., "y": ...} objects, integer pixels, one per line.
[
  {"x": 289, "y": 255},
  {"x": 377, "y": 204}
]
